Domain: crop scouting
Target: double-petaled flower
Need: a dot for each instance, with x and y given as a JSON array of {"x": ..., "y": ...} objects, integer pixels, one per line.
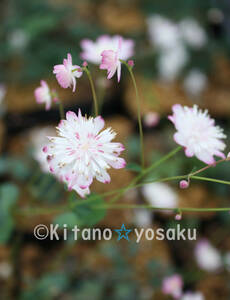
[{"x": 83, "y": 151}]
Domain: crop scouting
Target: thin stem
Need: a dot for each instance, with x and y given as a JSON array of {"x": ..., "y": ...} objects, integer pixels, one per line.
[
  {"x": 63, "y": 208},
  {"x": 208, "y": 167},
  {"x": 182, "y": 209},
  {"x": 93, "y": 90},
  {"x": 138, "y": 111},
  {"x": 145, "y": 172}
]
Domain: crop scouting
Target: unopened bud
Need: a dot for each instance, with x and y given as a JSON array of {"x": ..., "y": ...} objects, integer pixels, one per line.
[
  {"x": 131, "y": 63},
  {"x": 178, "y": 217},
  {"x": 184, "y": 184}
]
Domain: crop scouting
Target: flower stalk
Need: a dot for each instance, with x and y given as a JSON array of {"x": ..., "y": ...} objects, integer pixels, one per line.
[
  {"x": 87, "y": 71},
  {"x": 129, "y": 67}
]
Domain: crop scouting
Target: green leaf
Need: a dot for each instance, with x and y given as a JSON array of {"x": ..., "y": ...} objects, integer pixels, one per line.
[
  {"x": 88, "y": 213},
  {"x": 133, "y": 167},
  {"x": 68, "y": 218},
  {"x": 8, "y": 197}
]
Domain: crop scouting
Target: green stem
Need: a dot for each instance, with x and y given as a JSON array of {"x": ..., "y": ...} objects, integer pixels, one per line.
[
  {"x": 64, "y": 207},
  {"x": 93, "y": 90},
  {"x": 182, "y": 209},
  {"x": 138, "y": 112},
  {"x": 145, "y": 172}
]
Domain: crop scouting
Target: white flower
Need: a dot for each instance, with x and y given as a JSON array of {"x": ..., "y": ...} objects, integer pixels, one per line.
[
  {"x": 163, "y": 33},
  {"x": 143, "y": 218},
  {"x": 5, "y": 270},
  {"x": 82, "y": 152},
  {"x": 160, "y": 195},
  {"x": 171, "y": 62},
  {"x": 197, "y": 133},
  {"x": 208, "y": 258},
  {"x": 38, "y": 140},
  {"x": 92, "y": 50},
  {"x": 192, "y": 296},
  {"x": 2, "y": 93},
  {"x": 193, "y": 34},
  {"x": 195, "y": 82},
  {"x": 43, "y": 95}
]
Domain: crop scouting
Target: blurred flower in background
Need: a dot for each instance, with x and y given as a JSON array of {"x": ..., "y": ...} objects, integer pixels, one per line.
[
  {"x": 208, "y": 258},
  {"x": 195, "y": 83},
  {"x": 160, "y": 195}
]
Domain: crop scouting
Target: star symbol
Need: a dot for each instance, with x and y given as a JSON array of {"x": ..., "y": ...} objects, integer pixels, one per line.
[{"x": 123, "y": 233}]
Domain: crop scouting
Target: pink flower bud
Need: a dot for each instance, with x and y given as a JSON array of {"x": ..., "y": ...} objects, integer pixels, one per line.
[
  {"x": 45, "y": 149},
  {"x": 151, "y": 119},
  {"x": 184, "y": 184},
  {"x": 85, "y": 64},
  {"x": 178, "y": 217},
  {"x": 131, "y": 63}
]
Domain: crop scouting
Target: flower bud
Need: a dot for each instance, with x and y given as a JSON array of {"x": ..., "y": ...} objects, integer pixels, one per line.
[
  {"x": 178, "y": 217},
  {"x": 85, "y": 64},
  {"x": 131, "y": 63},
  {"x": 184, "y": 184}
]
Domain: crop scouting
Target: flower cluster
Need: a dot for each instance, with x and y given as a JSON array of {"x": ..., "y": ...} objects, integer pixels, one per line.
[
  {"x": 172, "y": 41},
  {"x": 82, "y": 151}
]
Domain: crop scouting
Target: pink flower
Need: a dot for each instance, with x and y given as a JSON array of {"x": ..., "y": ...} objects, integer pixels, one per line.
[
  {"x": 82, "y": 152},
  {"x": 43, "y": 94},
  {"x": 67, "y": 73},
  {"x": 92, "y": 50},
  {"x": 197, "y": 133},
  {"x": 173, "y": 286},
  {"x": 111, "y": 63},
  {"x": 151, "y": 119}
]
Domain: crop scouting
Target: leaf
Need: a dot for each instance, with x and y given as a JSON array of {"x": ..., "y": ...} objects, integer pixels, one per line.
[
  {"x": 88, "y": 213},
  {"x": 133, "y": 167},
  {"x": 68, "y": 218},
  {"x": 8, "y": 197}
]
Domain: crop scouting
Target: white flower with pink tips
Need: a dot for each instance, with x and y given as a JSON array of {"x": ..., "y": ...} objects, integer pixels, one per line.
[{"x": 82, "y": 152}]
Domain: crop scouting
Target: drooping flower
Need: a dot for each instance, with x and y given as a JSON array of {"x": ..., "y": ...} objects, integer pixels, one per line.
[
  {"x": 111, "y": 63},
  {"x": 197, "y": 133},
  {"x": 43, "y": 95},
  {"x": 208, "y": 258},
  {"x": 192, "y": 296},
  {"x": 92, "y": 50},
  {"x": 67, "y": 73},
  {"x": 173, "y": 285},
  {"x": 160, "y": 194},
  {"x": 82, "y": 152}
]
